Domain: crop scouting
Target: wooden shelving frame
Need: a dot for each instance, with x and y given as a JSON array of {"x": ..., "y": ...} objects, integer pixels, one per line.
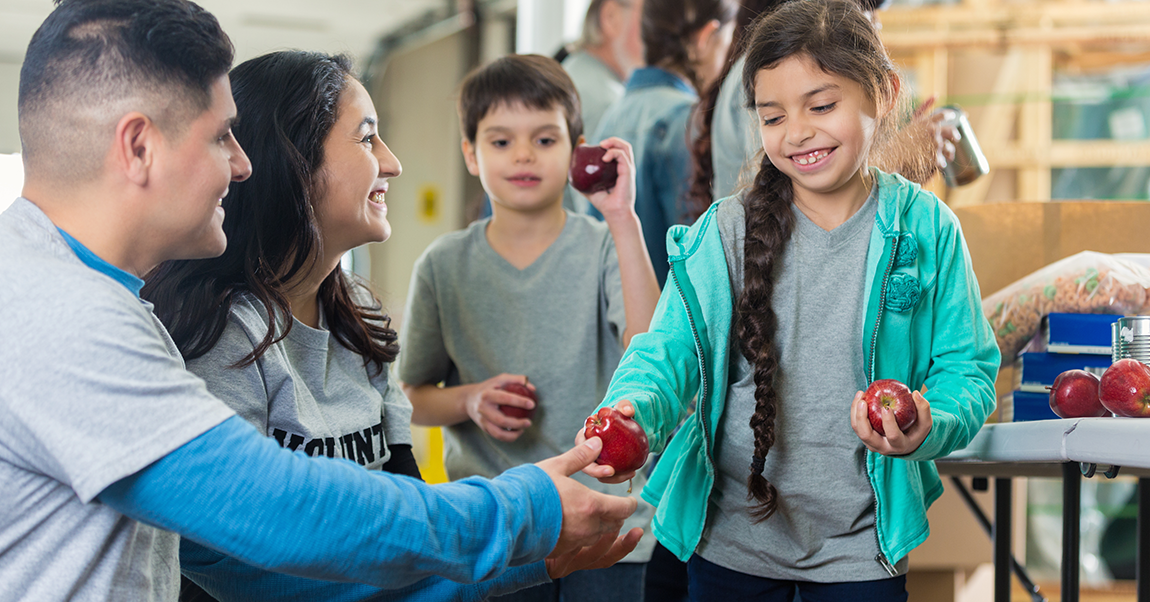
[{"x": 1031, "y": 38}]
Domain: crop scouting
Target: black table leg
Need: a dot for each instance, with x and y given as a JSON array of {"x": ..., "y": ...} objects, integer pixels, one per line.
[
  {"x": 1142, "y": 553},
  {"x": 1002, "y": 519},
  {"x": 1071, "y": 509}
]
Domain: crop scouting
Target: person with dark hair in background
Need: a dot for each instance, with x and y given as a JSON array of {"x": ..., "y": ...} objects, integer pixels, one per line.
[
  {"x": 685, "y": 43},
  {"x": 609, "y": 50},
  {"x": 111, "y": 450},
  {"x": 787, "y": 301}
]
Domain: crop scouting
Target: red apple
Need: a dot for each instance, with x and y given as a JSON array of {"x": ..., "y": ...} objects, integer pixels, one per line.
[
  {"x": 625, "y": 444},
  {"x": 1075, "y": 395},
  {"x": 521, "y": 390},
  {"x": 589, "y": 172},
  {"x": 891, "y": 394},
  {"x": 1125, "y": 388}
]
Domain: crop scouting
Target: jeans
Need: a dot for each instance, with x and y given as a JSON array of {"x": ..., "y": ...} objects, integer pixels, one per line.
[
  {"x": 622, "y": 582},
  {"x": 710, "y": 582}
]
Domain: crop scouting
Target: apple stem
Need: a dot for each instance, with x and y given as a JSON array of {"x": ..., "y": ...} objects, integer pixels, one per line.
[{"x": 629, "y": 486}]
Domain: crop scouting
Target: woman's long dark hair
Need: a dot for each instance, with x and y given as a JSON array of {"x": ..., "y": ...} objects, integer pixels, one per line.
[
  {"x": 837, "y": 36},
  {"x": 668, "y": 25},
  {"x": 287, "y": 104},
  {"x": 698, "y": 195}
]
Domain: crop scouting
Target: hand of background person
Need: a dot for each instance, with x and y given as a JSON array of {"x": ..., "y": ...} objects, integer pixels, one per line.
[
  {"x": 588, "y": 515},
  {"x": 483, "y": 403},
  {"x": 619, "y": 200},
  {"x": 896, "y": 442},
  {"x": 943, "y": 136},
  {"x": 604, "y": 553},
  {"x": 604, "y": 473}
]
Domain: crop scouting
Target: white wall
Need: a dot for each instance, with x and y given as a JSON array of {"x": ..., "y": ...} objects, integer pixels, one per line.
[
  {"x": 9, "y": 86},
  {"x": 542, "y": 26},
  {"x": 11, "y": 179},
  {"x": 415, "y": 98}
]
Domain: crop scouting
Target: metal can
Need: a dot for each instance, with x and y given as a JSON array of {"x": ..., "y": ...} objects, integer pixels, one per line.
[{"x": 968, "y": 163}]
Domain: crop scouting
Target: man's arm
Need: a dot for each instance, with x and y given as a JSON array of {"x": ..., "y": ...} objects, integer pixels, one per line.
[{"x": 237, "y": 492}]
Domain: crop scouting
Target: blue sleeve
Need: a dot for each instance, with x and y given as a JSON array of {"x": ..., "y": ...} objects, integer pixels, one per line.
[
  {"x": 239, "y": 493},
  {"x": 229, "y": 580}
]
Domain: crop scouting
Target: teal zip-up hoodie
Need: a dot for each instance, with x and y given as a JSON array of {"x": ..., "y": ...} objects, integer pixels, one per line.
[{"x": 924, "y": 327}]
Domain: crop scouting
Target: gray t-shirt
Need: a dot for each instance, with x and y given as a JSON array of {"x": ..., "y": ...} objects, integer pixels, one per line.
[
  {"x": 307, "y": 391},
  {"x": 735, "y": 140},
  {"x": 823, "y": 529},
  {"x": 92, "y": 390},
  {"x": 597, "y": 84},
  {"x": 471, "y": 315}
]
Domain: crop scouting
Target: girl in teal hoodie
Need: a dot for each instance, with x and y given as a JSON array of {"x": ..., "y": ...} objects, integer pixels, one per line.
[{"x": 782, "y": 305}]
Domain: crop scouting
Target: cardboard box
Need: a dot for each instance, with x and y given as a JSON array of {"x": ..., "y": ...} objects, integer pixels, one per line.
[{"x": 1008, "y": 241}]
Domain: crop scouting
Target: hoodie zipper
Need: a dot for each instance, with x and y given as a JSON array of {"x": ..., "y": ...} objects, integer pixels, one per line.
[
  {"x": 880, "y": 557},
  {"x": 705, "y": 381}
]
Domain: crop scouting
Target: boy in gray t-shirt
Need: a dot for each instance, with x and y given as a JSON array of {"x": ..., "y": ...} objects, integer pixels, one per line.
[{"x": 534, "y": 294}]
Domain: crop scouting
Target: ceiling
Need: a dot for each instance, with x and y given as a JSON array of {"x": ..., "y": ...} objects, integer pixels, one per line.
[{"x": 260, "y": 26}]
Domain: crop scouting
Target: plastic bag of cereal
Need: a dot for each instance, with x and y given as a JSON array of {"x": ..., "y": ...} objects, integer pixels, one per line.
[{"x": 1085, "y": 283}]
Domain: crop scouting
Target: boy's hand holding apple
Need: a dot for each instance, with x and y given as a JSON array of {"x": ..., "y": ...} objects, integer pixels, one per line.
[
  {"x": 615, "y": 200},
  {"x": 625, "y": 443},
  {"x": 893, "y": 441},
  {"x": 500, "y": 407}
]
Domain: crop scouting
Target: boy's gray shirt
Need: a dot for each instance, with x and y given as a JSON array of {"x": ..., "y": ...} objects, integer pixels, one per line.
[
  {"x": 92, "y": 390},
  {"x": 307, "y": 391},
  {"x": 471, "y": 315},
  {"x": 823, "y": 529}
]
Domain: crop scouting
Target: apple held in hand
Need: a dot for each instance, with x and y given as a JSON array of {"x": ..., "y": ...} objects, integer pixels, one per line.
[
  {"x": 625, "y": 444},
  {"x": 1125, "y": 388},
  {"x": 891, "y": 394},
  {"x": 589, "y": 172},
  {"x": 1075, "y": 395},
  {"x": 523, "y": 391}
]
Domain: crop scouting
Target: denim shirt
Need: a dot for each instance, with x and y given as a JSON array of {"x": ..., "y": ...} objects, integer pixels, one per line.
[{"x": 652, "y": 116}]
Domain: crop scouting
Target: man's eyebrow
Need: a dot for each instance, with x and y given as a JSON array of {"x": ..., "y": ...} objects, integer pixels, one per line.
[{"x": 368, "y": 121}]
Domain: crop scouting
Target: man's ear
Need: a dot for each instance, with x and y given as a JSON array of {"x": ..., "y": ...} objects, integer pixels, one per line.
[
  {"x": 611, "y": 20},
  {"x": 702, "y": 37},
  {"x": 134, "y": 146},
  {"x": 469, "y": 157}
]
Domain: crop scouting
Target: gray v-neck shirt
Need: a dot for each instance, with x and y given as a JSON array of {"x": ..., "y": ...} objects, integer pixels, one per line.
[{"x": 823, "y": 529}]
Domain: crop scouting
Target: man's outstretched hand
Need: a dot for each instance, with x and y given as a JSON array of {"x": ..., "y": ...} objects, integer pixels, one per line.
[{"x": 588, "y": 515}]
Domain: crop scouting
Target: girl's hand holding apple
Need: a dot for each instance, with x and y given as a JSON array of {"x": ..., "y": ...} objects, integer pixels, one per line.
[
  {"x": 625, "y": 443},
  {"x": 895, "y": 442}
]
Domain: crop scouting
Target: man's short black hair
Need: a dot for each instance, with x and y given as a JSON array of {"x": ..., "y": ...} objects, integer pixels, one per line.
[
  {"x": 535, "y": 81},
  {"x": 91, "y": 55}
]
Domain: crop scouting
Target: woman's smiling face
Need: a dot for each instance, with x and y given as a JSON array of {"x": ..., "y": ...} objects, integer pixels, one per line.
[{"x": 350, "y": 207}]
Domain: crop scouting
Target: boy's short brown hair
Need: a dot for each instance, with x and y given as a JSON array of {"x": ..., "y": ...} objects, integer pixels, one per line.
[{"x": 535, "y": 81}]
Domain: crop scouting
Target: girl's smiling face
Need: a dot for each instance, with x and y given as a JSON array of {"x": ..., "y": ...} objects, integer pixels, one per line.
[{"x": 817, "y": 128}]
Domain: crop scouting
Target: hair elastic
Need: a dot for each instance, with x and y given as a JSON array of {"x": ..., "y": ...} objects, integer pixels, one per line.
[{"x": 757, "y": 465}]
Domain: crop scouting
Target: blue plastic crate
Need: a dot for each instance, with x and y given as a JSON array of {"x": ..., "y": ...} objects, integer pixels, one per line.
[{"x": 1036, "y": 371}]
